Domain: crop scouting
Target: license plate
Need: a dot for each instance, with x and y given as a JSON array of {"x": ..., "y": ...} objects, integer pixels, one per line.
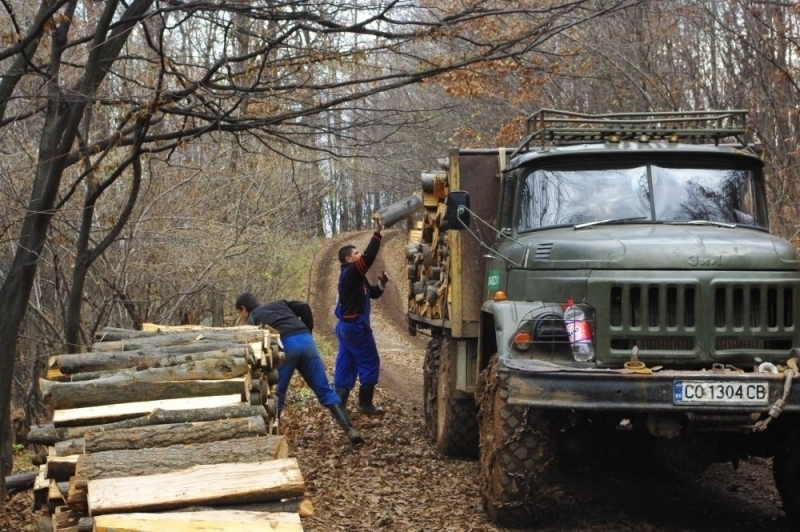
[{"x": 720, "y": 392}]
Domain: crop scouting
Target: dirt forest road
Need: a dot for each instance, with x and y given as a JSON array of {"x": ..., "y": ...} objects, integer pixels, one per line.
[{"x": 398, "y": 482}]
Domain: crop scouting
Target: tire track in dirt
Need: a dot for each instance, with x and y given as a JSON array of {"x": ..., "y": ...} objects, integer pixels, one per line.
[{"x": 401, "y": 354}]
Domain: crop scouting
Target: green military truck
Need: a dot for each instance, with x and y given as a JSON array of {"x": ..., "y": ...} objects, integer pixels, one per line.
[{"x": 613, "y": 275}]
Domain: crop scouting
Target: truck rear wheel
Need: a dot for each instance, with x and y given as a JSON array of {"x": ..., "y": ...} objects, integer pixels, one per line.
[
  {"x": 450, "y": 423},
  {"x": 518, "y": 454},
  {"x": 786, "y": 468}
]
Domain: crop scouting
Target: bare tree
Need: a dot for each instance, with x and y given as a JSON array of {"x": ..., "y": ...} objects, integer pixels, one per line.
[{"x": 166, "y": 73}]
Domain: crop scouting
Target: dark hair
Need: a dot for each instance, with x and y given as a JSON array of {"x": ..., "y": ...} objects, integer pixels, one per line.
[
  {"x": 246, "y": 300},
  {"x": 344, "y": 252}
]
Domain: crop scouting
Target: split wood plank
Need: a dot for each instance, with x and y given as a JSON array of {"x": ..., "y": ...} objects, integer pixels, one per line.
[
  {"x": 206, "y": 521},
  {"x": 116, "y": 412},
  {"x": 41, "y": 488},
  {"x": 206, "y": 484}
]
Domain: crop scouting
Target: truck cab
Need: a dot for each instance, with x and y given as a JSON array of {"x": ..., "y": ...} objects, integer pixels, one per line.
[{"x": 614, "y": 271}]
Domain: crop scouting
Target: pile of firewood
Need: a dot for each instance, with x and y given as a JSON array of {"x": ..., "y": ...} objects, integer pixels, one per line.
[
  {"x": 167, "y": 430},
  {"x": 428, "y": 253}
]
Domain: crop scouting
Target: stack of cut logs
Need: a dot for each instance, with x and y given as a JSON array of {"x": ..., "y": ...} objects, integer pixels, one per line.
[
  {"x": 160, "y": 430},
  {"x": 428, "y": 253}
]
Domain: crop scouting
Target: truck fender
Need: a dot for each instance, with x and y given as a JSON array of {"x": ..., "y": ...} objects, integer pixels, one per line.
[{"x": 500, "y": 321}]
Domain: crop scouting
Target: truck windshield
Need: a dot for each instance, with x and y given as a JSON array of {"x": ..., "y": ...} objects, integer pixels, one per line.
[{"x": 557, "y": 197}]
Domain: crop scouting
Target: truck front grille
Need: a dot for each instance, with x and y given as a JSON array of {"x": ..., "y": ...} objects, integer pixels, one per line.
[{"x": 722, "y": 318}]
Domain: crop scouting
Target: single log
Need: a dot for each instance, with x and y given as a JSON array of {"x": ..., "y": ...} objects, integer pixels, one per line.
[
  {"x": 210, "y": 368},
  {"x": 154, "y": 329},
  {"x": 207, "y": 484},
  {"x": 61, "y": 468},
  {"x": 48, "y": 434},
  {"x": 21, "y": 481},
  {"x": 210, "y": 521},
  {"x": 151, "y": 461},
  {"x": 94, "y": 415},
  {"x": 148, "y": 327},
  {"x": 69, "y": 447},
  {"x": 181, "y": 338},
  {"x": 62, "y": 395},
  {"x": 174, "y": 434},
  {"x": 144, "y": 358}
]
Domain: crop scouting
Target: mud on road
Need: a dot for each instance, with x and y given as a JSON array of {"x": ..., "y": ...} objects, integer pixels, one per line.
[{"x": 398, "y": 482}]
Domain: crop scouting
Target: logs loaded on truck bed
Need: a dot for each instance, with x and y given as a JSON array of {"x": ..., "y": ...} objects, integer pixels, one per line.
[{"x": 167, "y": 429}]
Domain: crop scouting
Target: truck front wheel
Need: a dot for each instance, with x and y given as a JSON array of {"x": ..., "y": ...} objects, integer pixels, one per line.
[
  {"x": 451, "y": 423},
  {"x": 786, "y": 467},
  {"x": 518, "y": 454}
]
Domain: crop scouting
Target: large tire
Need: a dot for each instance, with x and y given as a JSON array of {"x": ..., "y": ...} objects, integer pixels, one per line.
[
  {"x": 430, "y": 385},
  {"x": 786, "y": 467},
  {"x": 450, "y": 423},
  {"x": 518, "y": 454}
]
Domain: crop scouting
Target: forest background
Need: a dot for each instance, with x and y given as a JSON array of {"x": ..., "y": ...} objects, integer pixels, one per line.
[{"x": 157, "y": 157}]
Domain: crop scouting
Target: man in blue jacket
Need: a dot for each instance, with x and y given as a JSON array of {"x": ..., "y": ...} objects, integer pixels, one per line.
[
  {"x": 294, "y": 322},
  {"x": 358, "y": 357}
]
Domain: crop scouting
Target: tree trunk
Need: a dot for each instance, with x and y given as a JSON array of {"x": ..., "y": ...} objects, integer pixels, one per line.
[
  {"x": 48, "y": 434},
  {"x": 63, "y": 395},
  {"x": 136, "y": 462},
  {"x": 206, "y": 484},
  {"x": 216, "y": 302},
  {"x": 59, "y": 130},
  {"x": 174, "y": 434}
]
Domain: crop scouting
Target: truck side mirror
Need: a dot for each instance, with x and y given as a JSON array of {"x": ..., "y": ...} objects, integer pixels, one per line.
[{"x": 458, "y": 214}]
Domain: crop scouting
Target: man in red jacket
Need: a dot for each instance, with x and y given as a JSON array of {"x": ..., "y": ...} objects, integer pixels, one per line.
[{"x": 358, "y": 357}]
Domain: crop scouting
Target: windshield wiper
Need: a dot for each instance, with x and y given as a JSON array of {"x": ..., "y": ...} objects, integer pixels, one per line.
[
  {"x": 611, "y": 221},
  {"x": 727, "y": 225}
]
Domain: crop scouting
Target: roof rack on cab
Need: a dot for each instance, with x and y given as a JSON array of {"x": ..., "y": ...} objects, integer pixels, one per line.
[{"x": 558, "y": 128}]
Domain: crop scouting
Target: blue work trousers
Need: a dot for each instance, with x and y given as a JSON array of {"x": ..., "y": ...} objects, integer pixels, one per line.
[
  {"x": 357, "y": 356},
  {"x": 302, "y": 355}
]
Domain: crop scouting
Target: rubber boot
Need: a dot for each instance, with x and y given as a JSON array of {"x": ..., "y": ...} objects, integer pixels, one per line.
[
  {"x": 343, "y": 394},
  {"x": 341, "y": 418},
  {"x": 365, "y": 405}
]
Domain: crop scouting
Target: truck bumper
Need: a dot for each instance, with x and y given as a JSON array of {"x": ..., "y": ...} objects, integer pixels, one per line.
[{"x": 550, "y": 386}]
